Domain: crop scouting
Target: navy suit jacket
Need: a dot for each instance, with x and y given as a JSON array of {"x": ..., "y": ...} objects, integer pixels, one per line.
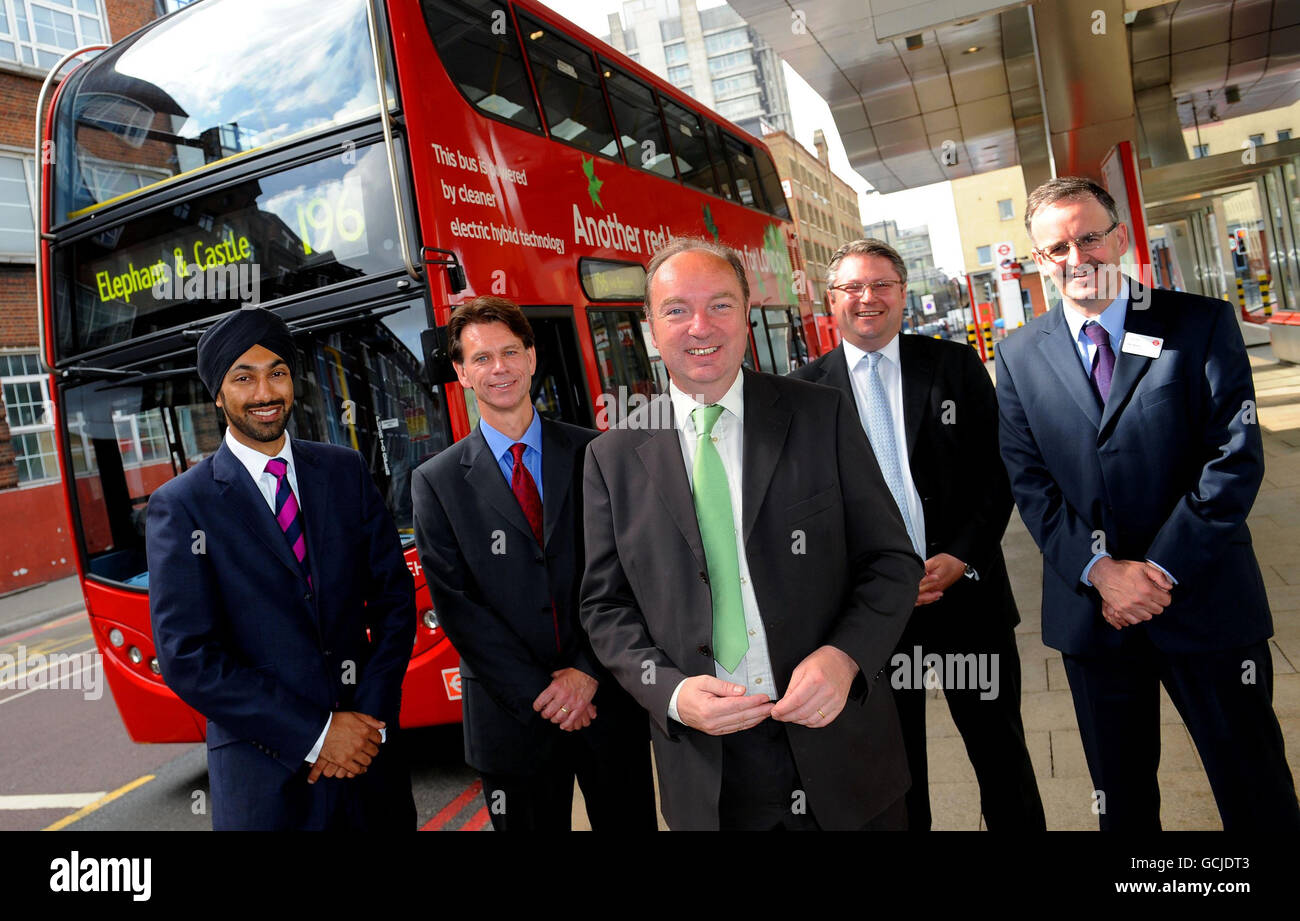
[
  {"x": 244, "y": 640},
  {"x": 510, "y": 606},
  {"x": 1167, "y": 471}
]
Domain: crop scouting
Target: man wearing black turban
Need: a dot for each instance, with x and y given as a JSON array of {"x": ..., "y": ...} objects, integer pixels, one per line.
[{"x": 282, "y": 607}]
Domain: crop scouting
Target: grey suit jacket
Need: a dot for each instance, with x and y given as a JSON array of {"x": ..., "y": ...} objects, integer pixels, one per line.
[{"x": 831, "y": 564}]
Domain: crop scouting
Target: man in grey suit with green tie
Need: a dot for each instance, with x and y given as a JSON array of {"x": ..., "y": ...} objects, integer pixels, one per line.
[{"x": 748, "y": 575}]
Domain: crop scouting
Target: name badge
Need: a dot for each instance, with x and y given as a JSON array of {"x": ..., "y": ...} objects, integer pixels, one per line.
[{"x": 1146, "y": 346}]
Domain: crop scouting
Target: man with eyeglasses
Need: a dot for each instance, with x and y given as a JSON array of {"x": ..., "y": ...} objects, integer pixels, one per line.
[
  {"x": 929, "y": 410},
  {"x": 1127, "y": 424}
]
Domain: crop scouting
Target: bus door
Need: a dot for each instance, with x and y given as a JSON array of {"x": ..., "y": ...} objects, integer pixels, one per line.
[{"x": 559, "y": 385}]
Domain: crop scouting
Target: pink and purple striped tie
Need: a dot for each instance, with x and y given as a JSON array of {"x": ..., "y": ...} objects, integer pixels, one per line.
[{"x": 286, "y": 512}]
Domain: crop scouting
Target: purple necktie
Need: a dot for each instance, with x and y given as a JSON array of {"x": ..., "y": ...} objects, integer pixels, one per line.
[
  {"x": 286, "y": 512},
  {"x": 1103, "y": 362}
]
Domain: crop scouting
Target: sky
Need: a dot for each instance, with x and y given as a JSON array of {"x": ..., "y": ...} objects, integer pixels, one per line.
[{"x": 811, "y": 112}]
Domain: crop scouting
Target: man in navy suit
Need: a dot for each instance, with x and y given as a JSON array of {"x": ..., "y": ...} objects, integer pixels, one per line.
[
  {"x": 498, "y": 521},
  {"x": 282, "y": 608},
  {"x": 927, "y": 403},
  {"x": 1127, "y": 423}
]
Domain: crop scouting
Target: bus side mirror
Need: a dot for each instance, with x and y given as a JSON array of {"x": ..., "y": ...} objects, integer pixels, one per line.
[{"x": 438, "y": 368}]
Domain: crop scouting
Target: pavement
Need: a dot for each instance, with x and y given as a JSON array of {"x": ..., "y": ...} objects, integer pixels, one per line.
[
  {"x": 28, "y": 607},
  {"x": 1046, "y": 705}
]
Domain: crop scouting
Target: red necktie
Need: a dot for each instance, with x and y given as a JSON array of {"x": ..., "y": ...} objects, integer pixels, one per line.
[
  {"x": 524, "y": 487},
  {"x": 525, "y": 490}
]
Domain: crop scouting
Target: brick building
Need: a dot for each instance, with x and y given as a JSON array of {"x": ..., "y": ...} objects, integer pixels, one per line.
[{"x": 34, "y": 543}]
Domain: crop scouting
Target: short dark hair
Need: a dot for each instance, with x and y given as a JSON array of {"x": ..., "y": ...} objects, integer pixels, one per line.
[
  {"x": 867, "y": 247},
  {"x": 486, "y": 308},
  {"x": 1063, "y": 187},
  {"x": 679, "y": 245}
]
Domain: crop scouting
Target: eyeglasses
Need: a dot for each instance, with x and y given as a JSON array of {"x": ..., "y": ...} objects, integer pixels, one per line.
[
  {"x": 878, "y": 288},
  {"x": 1058, "y": 252}
]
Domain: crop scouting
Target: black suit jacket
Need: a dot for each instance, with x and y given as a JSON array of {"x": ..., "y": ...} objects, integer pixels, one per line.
[
  {"x": 831, "y": 564},
  {"x": 950, "y": 417},
  {"x": 509, "y": 606},
  {"x": 1167, "y": 471},
  {"x": 244, "y": 640}
]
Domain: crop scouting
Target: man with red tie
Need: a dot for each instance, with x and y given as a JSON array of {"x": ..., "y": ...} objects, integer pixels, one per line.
[
  {"x": 281, "y": 604},
  {"x": 498, "y": 523}
]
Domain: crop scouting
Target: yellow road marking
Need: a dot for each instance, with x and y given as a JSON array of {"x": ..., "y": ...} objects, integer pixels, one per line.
[{"x": 102, "y": 801}]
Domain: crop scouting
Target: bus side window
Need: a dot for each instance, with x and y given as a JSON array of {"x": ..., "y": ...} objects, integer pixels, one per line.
[
  {"x": 692, "y": 152},
  {"x": 639, "y": 126},
  {"x": 569, "y": 87},
  {"x": 745, "y": 171},
  {"x": 771, "y": 182},
  {"x": 482, "y": 60},
  {"x": 720, "y": 168}
]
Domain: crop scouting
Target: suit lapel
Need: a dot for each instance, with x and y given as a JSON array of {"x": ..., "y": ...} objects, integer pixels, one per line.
[
  {"x": 1129, "y": 368},
  {"x": 917, "y": 372},
  {"x": 766, "y": 425},
  {"x": 1062, "y": 354},
  {"x": 484, "y": 477},
  {"x": 661, "y": 454},
  {"x": 250, "y": 508},
  {"x": 557, "y": 474}
]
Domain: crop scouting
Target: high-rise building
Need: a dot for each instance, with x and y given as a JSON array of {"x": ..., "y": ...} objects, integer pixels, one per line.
[
  {"x": 925, "y": 282},
  {"x": 713, "y": 55},
  {"x": 34, "y": 35},
  {"x": 823, "y": 206}
]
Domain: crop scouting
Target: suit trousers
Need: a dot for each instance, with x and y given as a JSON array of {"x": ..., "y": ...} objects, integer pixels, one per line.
[
  {"x": 761, "y": 790},
  {"x": 991, "y": 730},
  {"x": 615, "y": 779},
  {"x": 1226, "y": 699}
]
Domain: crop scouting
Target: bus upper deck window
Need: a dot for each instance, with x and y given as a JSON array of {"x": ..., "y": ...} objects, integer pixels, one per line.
[
  {"x": 569, "y": 87},
  {"x": 482, "y": 57}
]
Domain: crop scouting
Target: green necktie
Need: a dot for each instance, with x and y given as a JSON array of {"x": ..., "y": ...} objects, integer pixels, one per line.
[{"x": 718, "y": 530}]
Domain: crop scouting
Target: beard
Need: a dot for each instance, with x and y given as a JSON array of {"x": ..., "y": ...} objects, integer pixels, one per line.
[{"x": 256, "y": 429}]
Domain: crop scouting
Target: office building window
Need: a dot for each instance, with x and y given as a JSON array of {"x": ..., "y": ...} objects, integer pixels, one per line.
[
  {"x": 39, "y": 32},
  {"x": 17, "y": 175},
  {"x": 30, "y": 417},
  {"x": 1005, "y": 211},
  {"x": 1283, "y": 134},
  {"x": 984, "y": 255},
  {"x": 1200, "y": 150},
  {"x": 1257, "y": 140},
  {"x": 726, "y": 41},
  {"x": 679, "y": 75},
  {"x": 675, "y": 54}
]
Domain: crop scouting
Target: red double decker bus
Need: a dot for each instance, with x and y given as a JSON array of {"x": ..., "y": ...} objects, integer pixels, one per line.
[{"x": 360, "y": 168}]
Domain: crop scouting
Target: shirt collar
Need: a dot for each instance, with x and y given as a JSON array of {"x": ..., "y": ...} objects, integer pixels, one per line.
[
  {"x": 733, "y": 401},
  {"x": 499, "y": 444},
  {"x": 1111, "y": 319},
  {"x": 853, "y": 355},
  {"x": 255, "y": 461}
]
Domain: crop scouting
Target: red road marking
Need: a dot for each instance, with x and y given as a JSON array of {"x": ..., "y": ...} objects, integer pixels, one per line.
[
  {"x": 449, "y": 811},
  {"x": 476, "y": 824},
  {"x": 63, "y": 621}
]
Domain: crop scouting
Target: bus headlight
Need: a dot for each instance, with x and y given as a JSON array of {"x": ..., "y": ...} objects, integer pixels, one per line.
[
  {"x": 154, "y": 666},
  {"x": 115, "y": 637},
  {"x": 135, "y": 655},
  {"x": 429, "y": 619}
]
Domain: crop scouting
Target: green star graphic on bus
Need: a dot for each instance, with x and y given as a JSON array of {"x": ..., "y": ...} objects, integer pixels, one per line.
[
  {"x": 711, "y": 227},
  {"x": 593, "y": 184}
]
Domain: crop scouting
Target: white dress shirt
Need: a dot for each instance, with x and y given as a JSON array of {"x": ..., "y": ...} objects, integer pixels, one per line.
[
  {"x": 890, "y": 370},
  {"x": 755, "y": 669},
  {"x": 254, "y": 462}
]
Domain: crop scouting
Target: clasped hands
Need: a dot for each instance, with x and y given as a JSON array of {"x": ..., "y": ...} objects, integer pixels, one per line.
[
  {"x": 818, "y": 688},
  {"x": 1132, "y": 591},
  {"x": 566, "y": 701},
  {"x": 351, "y": 743}
]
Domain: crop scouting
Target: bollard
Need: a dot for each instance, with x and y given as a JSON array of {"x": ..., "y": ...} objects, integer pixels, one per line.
[
  {"x": 1241, "y": 298},
  {"x": 1264, "y": 295}
]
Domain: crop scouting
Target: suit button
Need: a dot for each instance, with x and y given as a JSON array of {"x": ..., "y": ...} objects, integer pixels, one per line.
[
  {"x": 328, "y": 653},
  {"x": 704, "y": 577},
  {"x": 704, "y": 650},
  {"x": 307, "y": 597},
  {"x": 539, "y": 559}
]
